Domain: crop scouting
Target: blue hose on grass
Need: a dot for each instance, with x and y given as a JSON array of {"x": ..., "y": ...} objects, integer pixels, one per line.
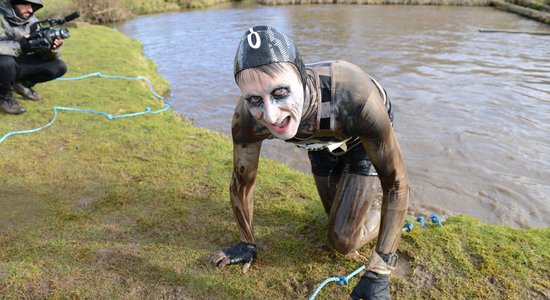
[
  {"x": 408, "y": 227},
  {"x": 421, "y": 220},
  {"x": 99, "y": 74},
  {"x": 341, "y": 280},
  {"x": 107, "y": 115},
  {"x": 435, "y": 219}
]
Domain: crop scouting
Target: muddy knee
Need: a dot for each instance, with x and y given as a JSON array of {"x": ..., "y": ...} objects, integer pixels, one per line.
[
  {"x": 342, "y": 243},
  {"x": 353, "y": 236}
]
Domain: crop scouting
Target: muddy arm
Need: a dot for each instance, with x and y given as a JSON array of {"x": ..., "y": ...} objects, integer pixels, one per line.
[
  {"x": 245, "y": 168},
  {"x": 383, "y": 149}
]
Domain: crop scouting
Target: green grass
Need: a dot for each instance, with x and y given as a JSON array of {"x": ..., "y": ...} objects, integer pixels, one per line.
[
  {"x": 132, "y": 208},
  {"x": 109, "y": 11}
]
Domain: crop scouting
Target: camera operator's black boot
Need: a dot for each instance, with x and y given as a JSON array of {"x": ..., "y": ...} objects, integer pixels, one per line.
[
  {"x": 27, "y": 92},
  {"x": 10, "y": 105}
]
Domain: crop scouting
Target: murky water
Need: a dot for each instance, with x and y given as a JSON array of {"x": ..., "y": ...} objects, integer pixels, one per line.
[{"x": 472, "y": 109}]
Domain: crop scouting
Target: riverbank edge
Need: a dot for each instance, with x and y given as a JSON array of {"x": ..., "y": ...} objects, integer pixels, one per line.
[
  {"x": 541, "y": 14},
  {"x": 533, "y": 9},
  {"x": 380, "y": 2},
  {"x": 132, "y": 208},
  {"x": 525, "y": 8}
]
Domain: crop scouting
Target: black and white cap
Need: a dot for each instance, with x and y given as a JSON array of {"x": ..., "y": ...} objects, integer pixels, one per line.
[{"x": 262, "y": 45}]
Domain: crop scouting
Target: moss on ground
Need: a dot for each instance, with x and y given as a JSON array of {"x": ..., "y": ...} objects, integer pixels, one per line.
[{"x": 132, "y": 208}]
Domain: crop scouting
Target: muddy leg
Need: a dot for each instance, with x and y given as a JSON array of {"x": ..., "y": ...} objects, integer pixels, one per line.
[
  {"x": 351, "y": 222},
  {"x": 326, "y": 186}
]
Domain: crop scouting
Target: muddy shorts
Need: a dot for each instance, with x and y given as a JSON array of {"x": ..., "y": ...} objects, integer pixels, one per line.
[{"x": 354, "y": 161}]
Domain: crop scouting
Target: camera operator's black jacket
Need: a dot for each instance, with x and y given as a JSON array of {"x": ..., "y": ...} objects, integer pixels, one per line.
[{"x": 13, "y": 29}]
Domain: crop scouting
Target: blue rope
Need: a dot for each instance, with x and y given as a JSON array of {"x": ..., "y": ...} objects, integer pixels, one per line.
[
  {"x": 341, "y": 280},
  {"x": 435, "y": 219},
  {"x": 421, "y": 220},
  {"x": 408, "y": 227},
  {"x": 99, "y": 74},
  {"x": 107, "y": 115}
]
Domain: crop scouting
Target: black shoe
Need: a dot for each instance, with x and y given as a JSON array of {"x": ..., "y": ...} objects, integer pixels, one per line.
[
  {"x": 11, "y": 106},
  {"x": 27, "y": 92}
]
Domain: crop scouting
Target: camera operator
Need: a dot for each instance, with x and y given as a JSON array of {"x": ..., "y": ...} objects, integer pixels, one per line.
[{"x": 24, "y": 60}]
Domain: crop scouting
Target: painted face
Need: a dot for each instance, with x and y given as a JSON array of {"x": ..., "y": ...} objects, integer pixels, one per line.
[
  {"x": 274, "y": 101},
  {"x": 24, "y": 11}
]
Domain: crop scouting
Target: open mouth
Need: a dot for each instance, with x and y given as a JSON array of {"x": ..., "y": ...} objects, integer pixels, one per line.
[{"x": 282, "y": 126}]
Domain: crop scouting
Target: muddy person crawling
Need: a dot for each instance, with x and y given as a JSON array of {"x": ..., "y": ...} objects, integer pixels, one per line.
[{"x": 343, "y": 118}]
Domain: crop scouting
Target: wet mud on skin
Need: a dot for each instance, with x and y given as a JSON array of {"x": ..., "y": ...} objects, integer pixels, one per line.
[{"x": 472, "y": 110}]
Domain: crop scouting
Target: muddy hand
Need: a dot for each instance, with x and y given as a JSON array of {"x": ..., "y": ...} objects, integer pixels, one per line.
[{"x": 241, "y": 253}]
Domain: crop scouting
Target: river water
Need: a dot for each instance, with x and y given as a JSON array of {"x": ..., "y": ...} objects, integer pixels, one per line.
[{"x": 472, "y": 109}]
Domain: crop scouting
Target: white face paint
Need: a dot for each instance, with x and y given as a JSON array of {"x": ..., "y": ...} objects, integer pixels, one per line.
[{"x": 276, "y": 102}]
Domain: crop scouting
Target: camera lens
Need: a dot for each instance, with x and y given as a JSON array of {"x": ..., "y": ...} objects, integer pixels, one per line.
[{"x": 62, "y": 33}]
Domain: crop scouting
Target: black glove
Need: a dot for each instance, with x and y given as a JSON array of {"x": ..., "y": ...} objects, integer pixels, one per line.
[
  {"x": 241, "y": 253},
  {"x": 372, "y": 286},
  {"x": 36, "y": 44}
]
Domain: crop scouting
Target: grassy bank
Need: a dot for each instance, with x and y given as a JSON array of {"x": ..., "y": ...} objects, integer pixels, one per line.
[
  {"x": 131, "y": 208},
  {"x": 112, "y": 11}
]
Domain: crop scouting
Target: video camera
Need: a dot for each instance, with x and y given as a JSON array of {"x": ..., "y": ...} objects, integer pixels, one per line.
[{"x": 42, "y": 34}]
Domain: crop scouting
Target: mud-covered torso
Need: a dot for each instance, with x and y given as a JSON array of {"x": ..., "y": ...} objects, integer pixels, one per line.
[{"x": 335, "y": 108}]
